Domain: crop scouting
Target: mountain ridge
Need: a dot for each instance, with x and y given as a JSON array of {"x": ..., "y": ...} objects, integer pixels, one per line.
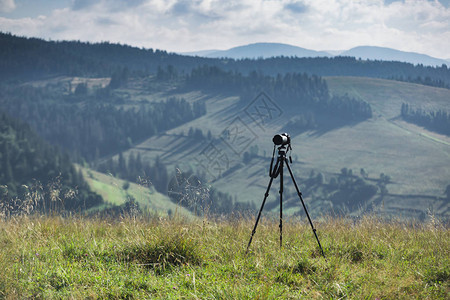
[
  {"x": 383, "y": 53},
  {"x": 262, "y": 50},
  {"x": 268, "y": 50}
]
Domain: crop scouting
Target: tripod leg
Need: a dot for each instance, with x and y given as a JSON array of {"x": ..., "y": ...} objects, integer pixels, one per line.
[
  {"x": 304, "y": 207},
  {"x": 259, "y": 214},
  {"x": 281, "y": 203}
]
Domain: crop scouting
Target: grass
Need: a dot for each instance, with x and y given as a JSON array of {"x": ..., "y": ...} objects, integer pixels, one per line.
[
  {"x": 112, "y": 191},
  {"x": 387, "y": 96},
  {"x": 52, "y": 257}
]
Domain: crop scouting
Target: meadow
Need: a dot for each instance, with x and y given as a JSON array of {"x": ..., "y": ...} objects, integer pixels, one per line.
[{"x": 150, "y": 257}]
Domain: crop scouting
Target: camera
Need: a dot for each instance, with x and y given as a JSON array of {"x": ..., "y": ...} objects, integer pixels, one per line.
[{"x": 281, "y": 139}]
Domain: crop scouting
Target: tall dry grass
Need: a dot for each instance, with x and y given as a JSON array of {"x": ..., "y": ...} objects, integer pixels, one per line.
[{"x": 152, "y": 257}]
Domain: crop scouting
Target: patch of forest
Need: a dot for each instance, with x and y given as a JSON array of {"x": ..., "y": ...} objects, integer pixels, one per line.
[
  {"x": 35, "y": 175},
  {"x": 309, "y": 93},
  {"x": 93, "y": 126},
  {"x": 438, "y": 121},
  {"x": 424, "y": 81}
]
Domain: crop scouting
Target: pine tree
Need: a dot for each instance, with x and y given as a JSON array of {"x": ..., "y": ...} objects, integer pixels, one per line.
[{"x": 122, "y": 167}]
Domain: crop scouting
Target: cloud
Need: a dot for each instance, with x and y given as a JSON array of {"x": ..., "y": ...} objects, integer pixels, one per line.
[
  {"x": 180, "y": 25},
  {"x": 296, "y": 7},
  {"x": 7, "y": 6},
  {"x": 181, "y": 8},
  {"x": 81, "y": 4},
  {"x": 193, "y": 12},
  {"x": 110, "y": 5}
]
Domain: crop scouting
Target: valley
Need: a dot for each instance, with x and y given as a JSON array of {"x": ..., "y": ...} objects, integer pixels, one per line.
[
  {"x": 368, "y": 136},
  {"x": 416, "y": 160}
]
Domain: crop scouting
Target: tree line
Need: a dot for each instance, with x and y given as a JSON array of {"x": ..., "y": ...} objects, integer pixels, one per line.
[
  {"x": 438, "y": 82},
  {"x": 344, "y": 66},
  {"x": 438, "y": 121}
]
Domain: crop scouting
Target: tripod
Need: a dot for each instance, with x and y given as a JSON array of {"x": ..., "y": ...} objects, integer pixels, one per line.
[{"x": 273, "y": 173}]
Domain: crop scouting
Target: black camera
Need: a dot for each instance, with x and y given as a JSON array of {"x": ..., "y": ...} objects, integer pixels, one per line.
[{"x": 281, "y": 139}]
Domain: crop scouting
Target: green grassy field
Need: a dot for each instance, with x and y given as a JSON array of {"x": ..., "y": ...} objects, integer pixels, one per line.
[
  {"x": 113, "y": 193},
  {"x": 155, "y": 258},
  {"x": 387, "y": 96}
]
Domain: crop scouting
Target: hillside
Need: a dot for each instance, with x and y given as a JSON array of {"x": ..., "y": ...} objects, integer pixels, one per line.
[
  {"x": 415, "y": 159},
  {"x": 117, "y": 192},
  {"x": 327, "y": 160}
]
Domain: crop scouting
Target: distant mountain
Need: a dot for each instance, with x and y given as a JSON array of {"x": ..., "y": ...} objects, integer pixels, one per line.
[
  {"x": 31, "y": 58},
  {"x": 388, "y": 54},
  {"x": 268, "y": 50},
  {"x": 201, "y": 53},
  {"x": 261, "y": 50}
]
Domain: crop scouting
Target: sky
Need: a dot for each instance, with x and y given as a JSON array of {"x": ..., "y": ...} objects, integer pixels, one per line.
[{"x": 421, "y": 26}]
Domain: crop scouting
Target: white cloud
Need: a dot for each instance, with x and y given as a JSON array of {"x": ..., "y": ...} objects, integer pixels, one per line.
[
  {"x": 7, "y": 6},
  {"x": 181, "y": 25}
]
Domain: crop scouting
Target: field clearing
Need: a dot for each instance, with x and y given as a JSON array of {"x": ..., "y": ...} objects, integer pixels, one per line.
[
  {"x": 112, "y": 191},
  {"x": 69, "y": 84},
  {"x": 386, "y": 96},
  {"x": 135, "y": 258}
]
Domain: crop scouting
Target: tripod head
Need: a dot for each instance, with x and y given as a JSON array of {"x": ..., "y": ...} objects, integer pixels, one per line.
[{"x": 283, "y": 140}]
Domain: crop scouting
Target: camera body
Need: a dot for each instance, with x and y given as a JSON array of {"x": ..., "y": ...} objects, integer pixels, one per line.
[{"x": 281, "y": 139}]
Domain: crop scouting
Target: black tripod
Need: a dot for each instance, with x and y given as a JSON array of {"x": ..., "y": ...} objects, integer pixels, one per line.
[{"x": 285, "y": 145}]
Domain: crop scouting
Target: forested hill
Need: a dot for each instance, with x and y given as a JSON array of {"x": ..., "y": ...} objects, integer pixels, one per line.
[
  {"x": 37, "y": 173},
  {"x": 31, "y": 58}
]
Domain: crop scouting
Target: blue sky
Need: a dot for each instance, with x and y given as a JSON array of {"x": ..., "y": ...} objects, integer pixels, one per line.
[{"x": 181, "y": 25}]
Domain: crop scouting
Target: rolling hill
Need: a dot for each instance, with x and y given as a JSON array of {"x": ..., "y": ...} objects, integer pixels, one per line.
[{"x": 415, "y": 159}]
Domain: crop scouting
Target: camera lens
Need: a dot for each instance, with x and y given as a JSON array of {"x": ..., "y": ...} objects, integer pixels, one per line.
[{"x": 281, "y": 139}]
